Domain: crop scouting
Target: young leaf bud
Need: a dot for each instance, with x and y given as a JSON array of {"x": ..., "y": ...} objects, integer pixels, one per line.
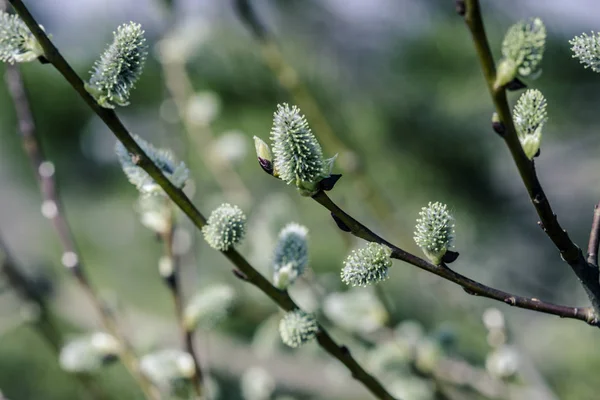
[
  {"x": 88, "y": 353},
  {"x": 298, "y": 155},
  {"x": 530, "y": 116},
  {"x": 119, "y": 67},
  {"x": 291, "y": 255},
  {"x": 587, "y": 50},
  {"x": 17, "y": 43},
  {"x": 367, "y": 266},
  {"x": 434, "y": 231},
  {"x": 522, "y": 51},
  {"x": 178, "y": 174},
  {"x": 226, "y": 227},
  {"x": 497, "y": 125},
  {"x": 265, "y": 158},
  {"x": 297, "y": 328},
  {"x": 208, "y": 307}
]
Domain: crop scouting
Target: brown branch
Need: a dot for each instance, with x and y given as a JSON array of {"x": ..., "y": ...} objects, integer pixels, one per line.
[
  {"x": 71, "y": 259},
  {"x": 110, "y": 118},
  {"x": 587, "y": 274},
  {"x": 594, "y": 242},
  {"x": 173, "y": 282},
  {"x": 470, "y": 286}
]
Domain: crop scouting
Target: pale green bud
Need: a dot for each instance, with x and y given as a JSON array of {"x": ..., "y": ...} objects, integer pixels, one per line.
[
  {"x": 167, "y": 368},
  {"x": 530, "y": 116},
  {"x": 297, "y": 328},
  {"x": 291, "y": 255},
  {"x": 208, "y": 307},
  {"x": 434, "y": 231},
  {"x": 264, "y": 155},
  {"x": 587, "y": 50},
  {"x": 298, "y": 155},
  {"x": 225, "y": 228},
  {"x": 522, "y": 51},
  {"x": 367, "y": 266},
  {"x": 177, "y": 173},
  {"x": 89, "y": 353},
  {"x": 17, "y": 43},
  {"x": 119, "y": 67}
]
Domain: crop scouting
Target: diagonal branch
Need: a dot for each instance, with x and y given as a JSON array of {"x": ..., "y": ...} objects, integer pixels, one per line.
[
  {"x": 470, "y": 286},
  {"x": 109, "y": 117},
  {"x": 587, "y": 274},
  {"x": 52, "y": 209}
]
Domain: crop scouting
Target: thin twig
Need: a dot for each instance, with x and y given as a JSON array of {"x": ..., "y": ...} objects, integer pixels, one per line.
[
  {"x": 569, "y": 251},
  {"x": 470, "y": 286},
  {"x": 45, "y": 323},
  {"x": 592, "y": 256},
  {"x": 172, "y": 280},
  {"x": 289, "y": 79},
  {"x": 53, "y": 209},
  {"x": 110, "y": 118}
]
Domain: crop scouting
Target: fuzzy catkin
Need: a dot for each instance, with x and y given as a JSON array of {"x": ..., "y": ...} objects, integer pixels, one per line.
[
  {"x": 297, "y": 328},
  {"x": 225, "y": 228},
  {"x": 297, "y": 154},
  {"x": 17, "y": 43},
  {"x": 434, "y": 232},
  {"x": 114, "y": 75},
  {"x": 586, "y": 48},
  {"x": 529, "y": 116},
  {"x": 176, "y": 172},
  {"x": 367, "y": 266},
  {"x": 291, "y": 255}
]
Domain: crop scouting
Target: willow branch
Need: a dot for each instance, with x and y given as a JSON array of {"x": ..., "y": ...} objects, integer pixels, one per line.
[
  {"x": 44, "y": 172},
  {"x": 173, "y": 282},
  {"x": 588, "y": 274},
  {"x": 289, "y": 80},
  {"x": 45, "y": 323},
  {"x": 594, "y": 242},
  {"x": 251, "y": 275},
  {"x": 470, "y": 286}
]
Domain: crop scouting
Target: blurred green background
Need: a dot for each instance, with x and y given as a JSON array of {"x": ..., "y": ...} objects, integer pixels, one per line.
[{"x": 401, "y": 86}]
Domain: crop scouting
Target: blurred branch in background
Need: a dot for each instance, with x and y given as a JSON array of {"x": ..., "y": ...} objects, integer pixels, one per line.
[
  {"x": 169, "y": 266},
  {"x": 587, "y": 273},
  {"x": 44, "y": 321},
  {"x": 53, "y": 210},
  {"x": 246, "y": 271},
  {"x": 197, "y": 131},
  {"x": 288, "y": 78}
]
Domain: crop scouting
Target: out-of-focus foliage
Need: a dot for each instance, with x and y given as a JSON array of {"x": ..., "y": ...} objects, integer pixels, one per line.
[{"x": 401, "y": 86}]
